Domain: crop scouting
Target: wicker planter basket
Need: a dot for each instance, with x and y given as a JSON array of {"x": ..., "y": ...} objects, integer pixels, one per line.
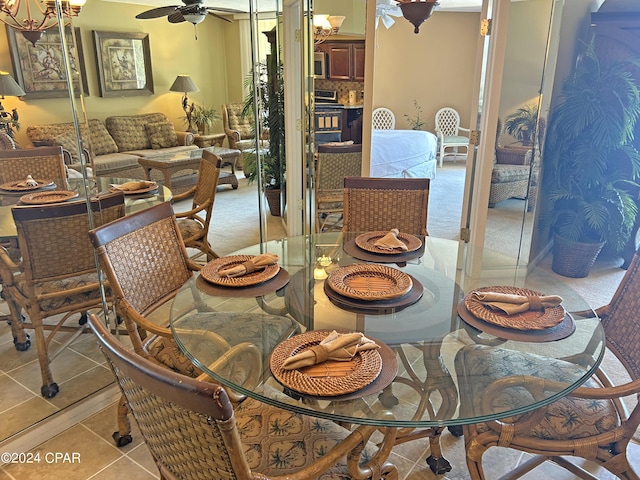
[
  {"x": 273, "y": 199},
  {"x": 573, "y": 259},
  {"x": 515, "y": 155}
]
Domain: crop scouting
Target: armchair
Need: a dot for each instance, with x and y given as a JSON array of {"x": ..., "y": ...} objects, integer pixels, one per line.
[
  {"x": 448, "y": 130},
  {"x": 240, "y": 130}
]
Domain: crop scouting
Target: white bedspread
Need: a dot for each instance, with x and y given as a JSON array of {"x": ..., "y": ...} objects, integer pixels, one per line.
[{"x": 403, "y": 153}]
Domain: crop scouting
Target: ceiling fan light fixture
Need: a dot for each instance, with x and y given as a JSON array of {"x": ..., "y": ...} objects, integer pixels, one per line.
[
  {"x": 194, "y": 18},
  {"x": 417, "y": 11}
]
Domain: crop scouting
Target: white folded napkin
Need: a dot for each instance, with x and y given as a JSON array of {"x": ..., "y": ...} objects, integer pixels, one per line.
[
  {"x": 29, "y": 182},
  {"x": 391, "y": 241},
  {"x": 336, "y": 346},
  {"x": 512, "y": 304},
  {"x": 259, "y": 262}
]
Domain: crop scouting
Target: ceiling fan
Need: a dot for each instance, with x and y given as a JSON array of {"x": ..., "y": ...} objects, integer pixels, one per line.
[{"x": 193, "y": 11}]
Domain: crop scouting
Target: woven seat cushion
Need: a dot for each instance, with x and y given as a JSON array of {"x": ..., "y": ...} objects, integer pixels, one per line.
[
  {"x": 278, "y": 442},
  {"x": 60, "y": 287},
  {"x": 502, "y": 173},
  {"x": 568, "y": 418},
  {"x": 166, "y": 352}
]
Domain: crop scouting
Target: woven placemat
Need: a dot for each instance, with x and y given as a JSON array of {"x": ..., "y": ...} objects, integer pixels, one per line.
[
  {"x": 376, "y": 307},
  {"x": 401, "y": 259},
  {"x": 138, "y": 191},
  {"x": 529, "y": 320},
  {"x": 367, "y": 241},
  {"x": 362, "y": 370},
  {"x": 16, "y": 187},
  {"x": 273, "y": 285},
  {"x": 562, "y": 330},
  {"x": 210, "y": 272},
  {"x": 367, "y": 281},
  {"x": 51, "y": 196}
]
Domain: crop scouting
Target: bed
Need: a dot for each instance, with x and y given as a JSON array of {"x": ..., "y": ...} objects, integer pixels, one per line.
[{"x": 403, "y": 153}]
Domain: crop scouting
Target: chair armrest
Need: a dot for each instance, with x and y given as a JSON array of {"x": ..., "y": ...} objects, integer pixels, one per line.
[
  {"x": 439, "y": 135},
  {"x": 232, "y": 134},
  {"x": 193, "y": 211},
  {"x": 183, "y": 195},
  {"x": 185, "y": 138},
  {"x": 7, "y": 267},
  {"x": 464, "y": 129}
]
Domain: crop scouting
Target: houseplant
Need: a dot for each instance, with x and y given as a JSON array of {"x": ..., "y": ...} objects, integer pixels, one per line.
[
  {"x": 416, "y": 123},
  {"x": 521, "y": 124},
  {"x": 204, "y": 118},
  {"x": 270, "y": 89},
  {"x": 590, "y": 163}
]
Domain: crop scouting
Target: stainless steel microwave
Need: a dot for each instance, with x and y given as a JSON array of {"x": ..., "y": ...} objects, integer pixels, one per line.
[{"x": 319, "y": 65}]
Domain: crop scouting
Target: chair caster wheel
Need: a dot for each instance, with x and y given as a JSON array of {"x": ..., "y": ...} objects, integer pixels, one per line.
[
  {"x": 49, "y": 391},
  {"x": 22, "y": 346},
  {"x": 123, "y": 440},
  {"x": 455, "y": 430},
  {"x": 83, "y": 319}
]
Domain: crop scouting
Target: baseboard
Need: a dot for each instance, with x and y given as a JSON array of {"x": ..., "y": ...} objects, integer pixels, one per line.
[{"x": 49, "y": 427}]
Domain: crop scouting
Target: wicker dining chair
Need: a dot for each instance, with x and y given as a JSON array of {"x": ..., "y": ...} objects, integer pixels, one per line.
[
  {"x": 192, "y": 430},
  {"x": 57, "y": 277},
  {"x": 593, "y": 422},
  {"x": 45, "y": 163},
  {"x": 372, "y": 204},
  {"x": 193, "y": 227},
  {"x": 146, "y": 264},
  {"x": 334, "y": 163}
]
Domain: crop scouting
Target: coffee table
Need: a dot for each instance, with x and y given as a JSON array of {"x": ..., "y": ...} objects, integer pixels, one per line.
[{"x": 170, "y": 164}]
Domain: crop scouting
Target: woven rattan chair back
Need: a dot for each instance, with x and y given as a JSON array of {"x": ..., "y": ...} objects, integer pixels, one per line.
[
  {"x": 383, "y": 119},
  {"x": 194, "y": 224},
  {"x": 333, "y": 165},
  {"x": 379, "y": 204},
  {"x": 57, "y": 277},
  {"x": 188, "y": 425},
  {"x": 46, "y": 163},
  {"x": 143, "y": 256}
]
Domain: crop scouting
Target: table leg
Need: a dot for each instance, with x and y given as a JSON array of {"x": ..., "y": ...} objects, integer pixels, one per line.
[
  {"x": 167, "y": 178},
  {"x": 147, "y": 172}
]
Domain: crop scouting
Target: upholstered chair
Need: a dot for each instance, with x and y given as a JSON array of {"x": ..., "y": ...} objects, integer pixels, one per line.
[{"x": 240, "y": 129}]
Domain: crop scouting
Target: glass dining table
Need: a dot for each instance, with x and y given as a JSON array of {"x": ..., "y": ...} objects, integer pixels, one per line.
[
  {"x": 421, "y": 387},
  {"x": 133, "y": 203}
]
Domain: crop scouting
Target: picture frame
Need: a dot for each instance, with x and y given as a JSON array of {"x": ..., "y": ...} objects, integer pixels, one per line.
[
  {"x": 39, "y": 69},
  {"x": 123, "y": 64}
]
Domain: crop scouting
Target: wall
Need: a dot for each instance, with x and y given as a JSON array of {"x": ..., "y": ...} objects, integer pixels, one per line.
[
  {"x": 174, "y": 50},
  {"x": 434, "y": 67}
]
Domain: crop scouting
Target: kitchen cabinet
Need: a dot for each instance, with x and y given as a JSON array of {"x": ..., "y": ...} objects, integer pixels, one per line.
[{"x": 345, "y": 60}]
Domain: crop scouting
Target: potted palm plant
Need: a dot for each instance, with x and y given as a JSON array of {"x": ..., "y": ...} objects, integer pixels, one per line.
[
  {"x": 521, "y": 125},
  {"x": 591, "y": 164},
  {"x": 204, "y": 118}
]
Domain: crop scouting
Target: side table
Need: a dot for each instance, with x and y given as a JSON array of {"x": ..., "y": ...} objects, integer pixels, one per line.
[
  {"x": 229, "y": 156},
  {"x": 209, "y": 140}
]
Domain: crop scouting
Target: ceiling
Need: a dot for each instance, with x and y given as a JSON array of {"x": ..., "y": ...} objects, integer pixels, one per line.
[{"x": 269, "y": 5}]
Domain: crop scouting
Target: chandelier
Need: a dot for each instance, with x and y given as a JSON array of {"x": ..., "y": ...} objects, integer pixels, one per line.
[
  {"x": 324, "y": 26},
  {"x": 23, "y": 15}
]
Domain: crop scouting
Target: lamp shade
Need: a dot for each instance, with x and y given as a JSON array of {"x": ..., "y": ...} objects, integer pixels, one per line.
[
  {"x": 183, "y": 83},
  {"x": 9, "y": 87}
]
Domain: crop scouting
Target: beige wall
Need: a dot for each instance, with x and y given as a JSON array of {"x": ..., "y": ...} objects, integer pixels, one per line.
[
  {"x": 434, "y": 67},
  {"x": 174, "y": 50}
]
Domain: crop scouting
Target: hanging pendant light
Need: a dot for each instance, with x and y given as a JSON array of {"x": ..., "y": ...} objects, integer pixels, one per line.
[{"x": 417, "y": 11}]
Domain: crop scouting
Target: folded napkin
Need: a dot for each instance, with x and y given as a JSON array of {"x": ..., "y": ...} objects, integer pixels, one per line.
[
  {"x": 391, "y": 241},
  {"x": 512, "y": 304},
  {"x": 259, "y": 262},
  {"x": 336, "y": 346},
  {"x": 29, "y": 182},
  {"x": 133, "y": 186}
]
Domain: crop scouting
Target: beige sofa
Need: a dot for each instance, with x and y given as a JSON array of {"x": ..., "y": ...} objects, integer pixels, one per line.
[{"x": 116, "y": 144}]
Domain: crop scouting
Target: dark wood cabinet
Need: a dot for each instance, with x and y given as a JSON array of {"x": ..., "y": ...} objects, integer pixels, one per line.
[{"x": 345, "y": 60}]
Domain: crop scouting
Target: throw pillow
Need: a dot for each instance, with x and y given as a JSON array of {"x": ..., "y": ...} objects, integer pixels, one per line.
[
  {"x": 161, "y": 135},
  {"x": 67, "y": 141}
]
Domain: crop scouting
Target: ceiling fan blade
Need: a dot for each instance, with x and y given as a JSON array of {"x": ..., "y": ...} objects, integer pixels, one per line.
[
  {"x": 225, "y": 10},
  {"x": 220, "y": 16},
  {"x": 176, "y": 17},
  {"x": 157, "y": 12}
]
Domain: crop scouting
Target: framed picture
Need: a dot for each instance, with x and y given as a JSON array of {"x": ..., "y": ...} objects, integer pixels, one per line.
[
  {"x": 124, "y": 64},
  {"x": 39, "y": 69}
]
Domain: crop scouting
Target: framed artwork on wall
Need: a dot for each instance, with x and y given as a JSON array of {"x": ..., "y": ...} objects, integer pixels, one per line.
[
  {"x": 39, "y": 69},
  {"x": 124, "y": 64}
]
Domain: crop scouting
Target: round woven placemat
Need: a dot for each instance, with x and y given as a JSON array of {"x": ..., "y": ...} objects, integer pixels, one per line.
[
  {"x": 400, "y": 258},
  {"x": 366, "y": 368},
  {"x": 251, "y": 291},
  {"x": 367, "y": 281},
  {"x": 529, "y": 320},
  {"x": 52, "y": 196},
  {"x": 150, "y": 188},
  {"x": 367, "y": 241},
  {"x": 210, "y": 272},
  {"x": 16, "y": 187}
]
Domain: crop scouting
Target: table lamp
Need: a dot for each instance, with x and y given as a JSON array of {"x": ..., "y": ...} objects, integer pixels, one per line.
[
  {"x": 183, "y": 83},
  {"x": 9, "y": 88}
]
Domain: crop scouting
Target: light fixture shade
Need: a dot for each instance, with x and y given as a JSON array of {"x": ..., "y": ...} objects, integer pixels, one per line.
[
  {"x": 183, "y": 83},
  {"x": 194, "y": 18},
  {"x": 417, "y": 11},
  {"x": 9, "y": 87},
  {"x": 336, "y": 22}
]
